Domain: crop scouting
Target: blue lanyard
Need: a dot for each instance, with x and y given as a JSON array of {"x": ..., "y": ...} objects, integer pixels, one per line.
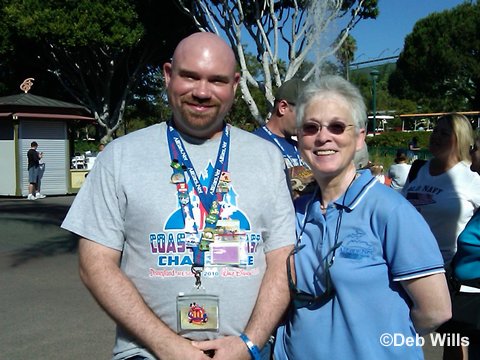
[
  {"x": 179, "y": 154},
  {"x": 221, "y": 164},
  {"x": 282, "y": 149}
]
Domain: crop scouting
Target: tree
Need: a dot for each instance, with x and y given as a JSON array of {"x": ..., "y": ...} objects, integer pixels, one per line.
[
  {"x": 299, "y": 27},
  {"x": 346, "y": 53},
  {"x": 101, "y": 51},
  {"x": 440, "y": 64}
]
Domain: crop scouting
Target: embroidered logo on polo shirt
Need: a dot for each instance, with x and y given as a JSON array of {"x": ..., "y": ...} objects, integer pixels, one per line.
[{"x": 354, "y": 247}]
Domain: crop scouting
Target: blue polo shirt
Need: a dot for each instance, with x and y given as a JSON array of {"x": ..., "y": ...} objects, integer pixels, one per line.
[{"x": 383, "y": 240}]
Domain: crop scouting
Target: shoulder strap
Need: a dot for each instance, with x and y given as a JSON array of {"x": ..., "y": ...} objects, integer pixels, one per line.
[{"x": 416, "y": 165}]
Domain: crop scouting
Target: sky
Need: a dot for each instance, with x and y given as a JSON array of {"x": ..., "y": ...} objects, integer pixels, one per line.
[{"x": 385, "y": 35}]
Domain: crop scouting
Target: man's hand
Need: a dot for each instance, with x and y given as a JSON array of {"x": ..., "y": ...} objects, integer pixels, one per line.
[
  {"x": 182, "y": 350},
  {"x": 226, "y": 348}
]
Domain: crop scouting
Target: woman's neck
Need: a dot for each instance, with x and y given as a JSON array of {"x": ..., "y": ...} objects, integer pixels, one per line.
[
  {"x": 333, "y": 188},
  {"x": 439, "y": 166}
]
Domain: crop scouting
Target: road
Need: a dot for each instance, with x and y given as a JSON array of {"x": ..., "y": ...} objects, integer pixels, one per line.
[{"x": 45, "y": 311}]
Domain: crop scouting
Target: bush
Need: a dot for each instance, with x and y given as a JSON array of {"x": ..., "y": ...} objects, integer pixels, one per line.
[
  {"x": 383, "y": 148},
  {"x": 81, "y": 146},
  {"x": 398, "y": 139}
]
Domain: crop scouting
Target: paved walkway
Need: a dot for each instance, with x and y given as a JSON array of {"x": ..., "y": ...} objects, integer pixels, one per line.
[{"x": 45, "y": 311}]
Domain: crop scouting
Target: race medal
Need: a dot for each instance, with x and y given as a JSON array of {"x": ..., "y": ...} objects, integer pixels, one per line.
[
  {"x": 175, "y": 164},
  {"x": 177, "y": 178},
  {"x": 225, "y": 176},
  {"x": 224, "y": 182},
  {"x": 214, "y": 208},
  {"x": 207, "y": 235},
  {"x": 206, "y": 239},
  {"x": 211, "y": 219},
  {"x": 197, "y": 312},
  {"x": 182, "y": 188},
  {"x": 223, "y": 187}
]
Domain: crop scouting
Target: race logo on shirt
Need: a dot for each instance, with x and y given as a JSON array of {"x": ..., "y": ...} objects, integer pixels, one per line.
[{"x": 172, "y": 245}]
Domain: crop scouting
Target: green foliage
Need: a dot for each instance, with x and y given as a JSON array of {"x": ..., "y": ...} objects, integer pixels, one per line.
[
  {"x": 112, "y": 23},
  {"x": 440, "y": 64},
  {"x": 240, "y": 115},
  {"x": 398, "y": 139},
  {"x": 369, "y": 8},
  {"x": 101, "y": 52},
  {"x": 383, "y": 148},
  {"x": 82, "y": 146},
  {"x": 346, "y": 53}
]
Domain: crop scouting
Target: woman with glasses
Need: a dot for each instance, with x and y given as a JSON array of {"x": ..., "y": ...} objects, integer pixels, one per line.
[{"x": 368, "y": 272}]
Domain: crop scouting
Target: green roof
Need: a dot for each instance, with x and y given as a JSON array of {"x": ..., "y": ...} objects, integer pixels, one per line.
[{"x": 36, "y": 101}]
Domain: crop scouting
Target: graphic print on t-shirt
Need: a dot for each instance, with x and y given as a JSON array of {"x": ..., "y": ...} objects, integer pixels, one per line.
[
  {"x": 420, "y": 199},
  {"x": 170, "y": 246}
]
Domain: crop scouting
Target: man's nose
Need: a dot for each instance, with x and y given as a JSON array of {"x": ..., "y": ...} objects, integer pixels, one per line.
[{"x": 202, "y": 90}]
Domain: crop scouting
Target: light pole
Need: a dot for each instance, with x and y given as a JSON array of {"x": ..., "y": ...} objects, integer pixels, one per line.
[{"x": 374, "y": 74}]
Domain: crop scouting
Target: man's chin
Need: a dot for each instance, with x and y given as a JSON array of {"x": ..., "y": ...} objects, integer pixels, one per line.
[{"x": 200, "y": 126}]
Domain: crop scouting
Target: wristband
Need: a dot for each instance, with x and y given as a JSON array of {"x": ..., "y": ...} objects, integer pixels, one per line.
[{"x": 252, "y": 348}]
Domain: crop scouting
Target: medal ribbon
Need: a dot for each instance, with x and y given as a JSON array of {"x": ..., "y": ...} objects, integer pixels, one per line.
[
  {"x": 221, "y": 164},
  {"x": 179, "y": 153}
]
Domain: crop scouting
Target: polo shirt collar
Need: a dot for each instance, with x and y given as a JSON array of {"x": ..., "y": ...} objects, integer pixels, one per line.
[
  {"x": 351, "y": 199},
  {"x": 357, "y": 191}
]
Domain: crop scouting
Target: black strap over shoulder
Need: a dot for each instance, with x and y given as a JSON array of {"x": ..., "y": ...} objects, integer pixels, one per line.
[{"x": 416, "y": 165}]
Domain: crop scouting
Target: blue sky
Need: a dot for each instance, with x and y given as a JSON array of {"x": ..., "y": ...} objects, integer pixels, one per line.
[{"x": 385, "y": 35}]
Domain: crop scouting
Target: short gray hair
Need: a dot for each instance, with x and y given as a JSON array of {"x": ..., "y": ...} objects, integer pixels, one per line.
[{"x": 334, "y": 85}]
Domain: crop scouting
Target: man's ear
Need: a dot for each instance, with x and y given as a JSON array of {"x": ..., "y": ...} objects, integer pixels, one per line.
[
  {"x": 167, "y": 72},
  {"x": 236, "y": 81},
  {"x": 282, "y": 107}
]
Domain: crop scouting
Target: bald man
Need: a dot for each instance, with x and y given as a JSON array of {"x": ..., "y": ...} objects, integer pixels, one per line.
[{"x": 186, "y": 226}]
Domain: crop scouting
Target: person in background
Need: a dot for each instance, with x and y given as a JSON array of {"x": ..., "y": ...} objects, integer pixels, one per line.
[
  {"x": 281, "y": 130},
  {"x": 361, "y": 158},
  {"x": 466, "y": 270},
  {"x": 444, "y": 190},
  {"x": 186, "y": 226},
  {"x": 360, "y": 272},
  {"x": 34, "y": 172},
  {"x": 413, "y": 149},
  {"x": 377, "y": 172},
  {"x": 398, "y": 172}
]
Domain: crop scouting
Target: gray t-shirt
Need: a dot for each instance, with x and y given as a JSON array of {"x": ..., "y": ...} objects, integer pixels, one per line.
[
  {"x": 128, "y": 203},
  {"x": 398, "y": 173}
]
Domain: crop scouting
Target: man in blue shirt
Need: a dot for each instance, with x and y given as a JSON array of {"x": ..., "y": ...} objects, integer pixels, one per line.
[
  {"x": 281, "y": 127},
  {"x": 281, "y": 130}
]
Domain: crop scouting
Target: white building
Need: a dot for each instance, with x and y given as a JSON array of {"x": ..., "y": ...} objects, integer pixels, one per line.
[{"x": 25, "y": 118}]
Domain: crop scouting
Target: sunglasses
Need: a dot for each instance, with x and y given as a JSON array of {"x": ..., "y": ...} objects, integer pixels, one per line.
[
  {"x": 335, "y": 127},
  {"x": 473, "y": 149},
  {"x": 301, "y": 298}
]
